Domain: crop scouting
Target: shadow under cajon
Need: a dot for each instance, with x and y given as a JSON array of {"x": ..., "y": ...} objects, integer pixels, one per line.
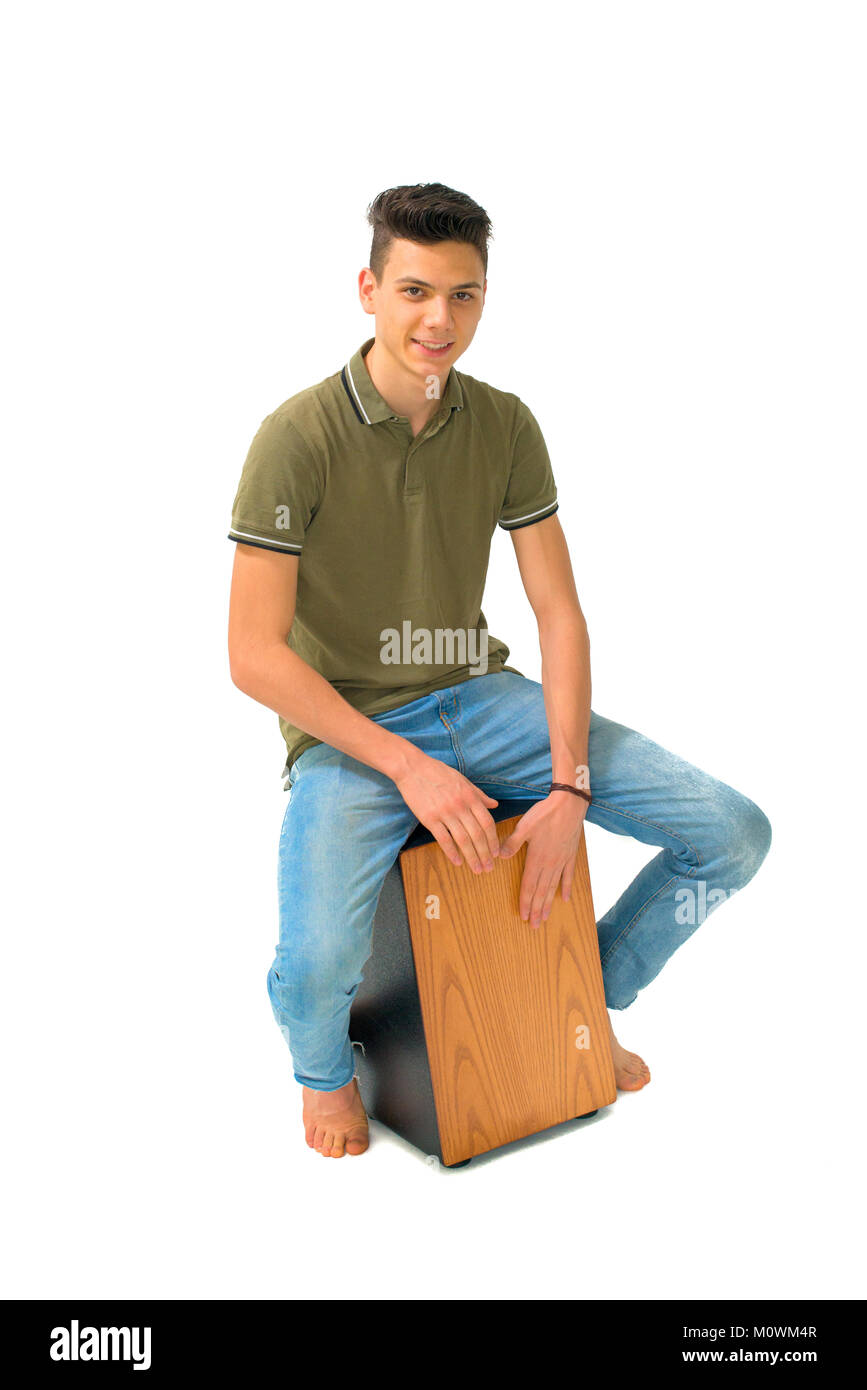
[{"x": 475, "y": 1028}]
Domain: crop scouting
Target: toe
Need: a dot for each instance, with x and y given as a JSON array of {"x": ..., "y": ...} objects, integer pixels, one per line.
[
  {"x": 631, "y": 1083},
  {"x": 357, "y": 1138}
]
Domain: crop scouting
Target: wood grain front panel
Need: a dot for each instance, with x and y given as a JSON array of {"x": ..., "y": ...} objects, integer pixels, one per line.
[{"x": 503, "y": 1002}]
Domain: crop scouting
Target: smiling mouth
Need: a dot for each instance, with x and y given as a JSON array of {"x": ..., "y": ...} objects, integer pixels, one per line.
[{"x": 435, "y": 349}]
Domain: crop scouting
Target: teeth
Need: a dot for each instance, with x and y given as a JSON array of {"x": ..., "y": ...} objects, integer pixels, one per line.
[{"x": 434, "y": 346}]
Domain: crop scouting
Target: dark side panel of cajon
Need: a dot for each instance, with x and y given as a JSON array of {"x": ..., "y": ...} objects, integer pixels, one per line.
[
  {"x": 474, "y": 1025},
  {"x": 393, "y": 1068}
]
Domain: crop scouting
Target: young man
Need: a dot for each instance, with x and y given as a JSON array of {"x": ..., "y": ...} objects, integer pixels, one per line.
[{"x": 363, "y": 521}]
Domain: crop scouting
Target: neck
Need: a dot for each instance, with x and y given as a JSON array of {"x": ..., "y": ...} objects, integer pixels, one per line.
[{"x": 400, "y": 388}]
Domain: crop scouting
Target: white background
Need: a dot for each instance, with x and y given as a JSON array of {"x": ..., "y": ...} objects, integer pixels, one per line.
[{"x": 677, "y": 290}]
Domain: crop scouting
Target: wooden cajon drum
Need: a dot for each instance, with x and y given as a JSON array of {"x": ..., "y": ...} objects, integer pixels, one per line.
[{"x": 476, "y": 1029}]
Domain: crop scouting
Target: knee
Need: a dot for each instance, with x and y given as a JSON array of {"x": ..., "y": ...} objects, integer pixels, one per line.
[
  {"x": 748, "y": 839},
  {"x": 305, "y": 981},
  {"x": 275, "y": 983}
]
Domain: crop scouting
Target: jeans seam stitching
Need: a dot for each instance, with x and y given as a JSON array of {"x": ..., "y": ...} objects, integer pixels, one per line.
[
  {"x": 640, "y": 913},
  {"x": 507, "y": 782},
  {"x": 462, "y": 767},
  {"x": 653, "y": 825}
]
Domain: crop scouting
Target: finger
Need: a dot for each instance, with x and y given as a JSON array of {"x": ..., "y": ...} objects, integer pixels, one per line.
[
  {"x": 488, "y": 828},
  {"x": 541, "y": 893},
  {"x": 512, "y": 843},
  {"x": 528, "y": 887},
  {"x": 465, "y": 845},
  {"x": 549, "y": 896},
  {"x": 566, "y": 881},
  {"x": 538, "y": 876},
  {"x": 443, "y": 837}
]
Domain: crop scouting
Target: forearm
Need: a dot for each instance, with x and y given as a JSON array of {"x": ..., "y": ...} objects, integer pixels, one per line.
[
  {"x": 565, "y": 647},
  {"x": 280, "y": 679}
]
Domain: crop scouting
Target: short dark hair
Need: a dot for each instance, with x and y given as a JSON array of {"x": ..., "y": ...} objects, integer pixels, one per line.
[{"x": 427, "y": 213}]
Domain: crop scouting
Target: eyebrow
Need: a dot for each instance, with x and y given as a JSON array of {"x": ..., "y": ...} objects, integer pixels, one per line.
[{"x": 411, "y": 280}]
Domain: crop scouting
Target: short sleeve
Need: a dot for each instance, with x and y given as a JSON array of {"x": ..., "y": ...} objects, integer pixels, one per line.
[
  {"x": 531, "y": 494},
  {"x": 279, "y": 491}
]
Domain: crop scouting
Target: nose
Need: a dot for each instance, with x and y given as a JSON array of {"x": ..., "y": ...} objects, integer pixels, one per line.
[{"x": 438, "y": 313}]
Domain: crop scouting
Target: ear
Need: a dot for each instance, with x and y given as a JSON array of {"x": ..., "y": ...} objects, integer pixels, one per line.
[{"x": 366, "y": 286}]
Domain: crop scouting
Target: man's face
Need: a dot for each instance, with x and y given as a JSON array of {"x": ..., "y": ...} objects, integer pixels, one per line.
[{"x": 428, "y": 304}]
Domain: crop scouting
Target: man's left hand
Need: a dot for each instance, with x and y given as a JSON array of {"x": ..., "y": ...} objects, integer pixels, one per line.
[{"x": 552, "y": 830}]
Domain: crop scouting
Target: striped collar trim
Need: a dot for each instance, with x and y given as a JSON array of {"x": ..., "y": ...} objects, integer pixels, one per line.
[{"x": 369, "y": 405}]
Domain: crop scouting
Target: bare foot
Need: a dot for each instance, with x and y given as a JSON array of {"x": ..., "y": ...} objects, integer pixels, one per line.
[
  {"x": 335, "y": 1121},
  {"x": 630, "y": 1072}
]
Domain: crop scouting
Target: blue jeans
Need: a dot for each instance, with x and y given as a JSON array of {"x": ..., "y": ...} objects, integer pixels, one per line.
[{"x": 346, "y": 822}]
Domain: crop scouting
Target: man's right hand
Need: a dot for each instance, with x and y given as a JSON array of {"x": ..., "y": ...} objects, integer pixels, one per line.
[{"x": 453, "y": 810}]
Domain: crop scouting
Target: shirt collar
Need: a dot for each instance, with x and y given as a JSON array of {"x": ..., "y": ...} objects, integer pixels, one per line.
[{"x": 370, "y": 406}]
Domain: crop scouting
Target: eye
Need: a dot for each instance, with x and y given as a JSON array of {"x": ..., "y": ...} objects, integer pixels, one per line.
[
  {"x": 466, "y": 294},
  {"x": 410, "y": 288}
]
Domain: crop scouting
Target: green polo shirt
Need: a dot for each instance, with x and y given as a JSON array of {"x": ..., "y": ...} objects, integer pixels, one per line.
[{"x": 393, "y": 532}]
